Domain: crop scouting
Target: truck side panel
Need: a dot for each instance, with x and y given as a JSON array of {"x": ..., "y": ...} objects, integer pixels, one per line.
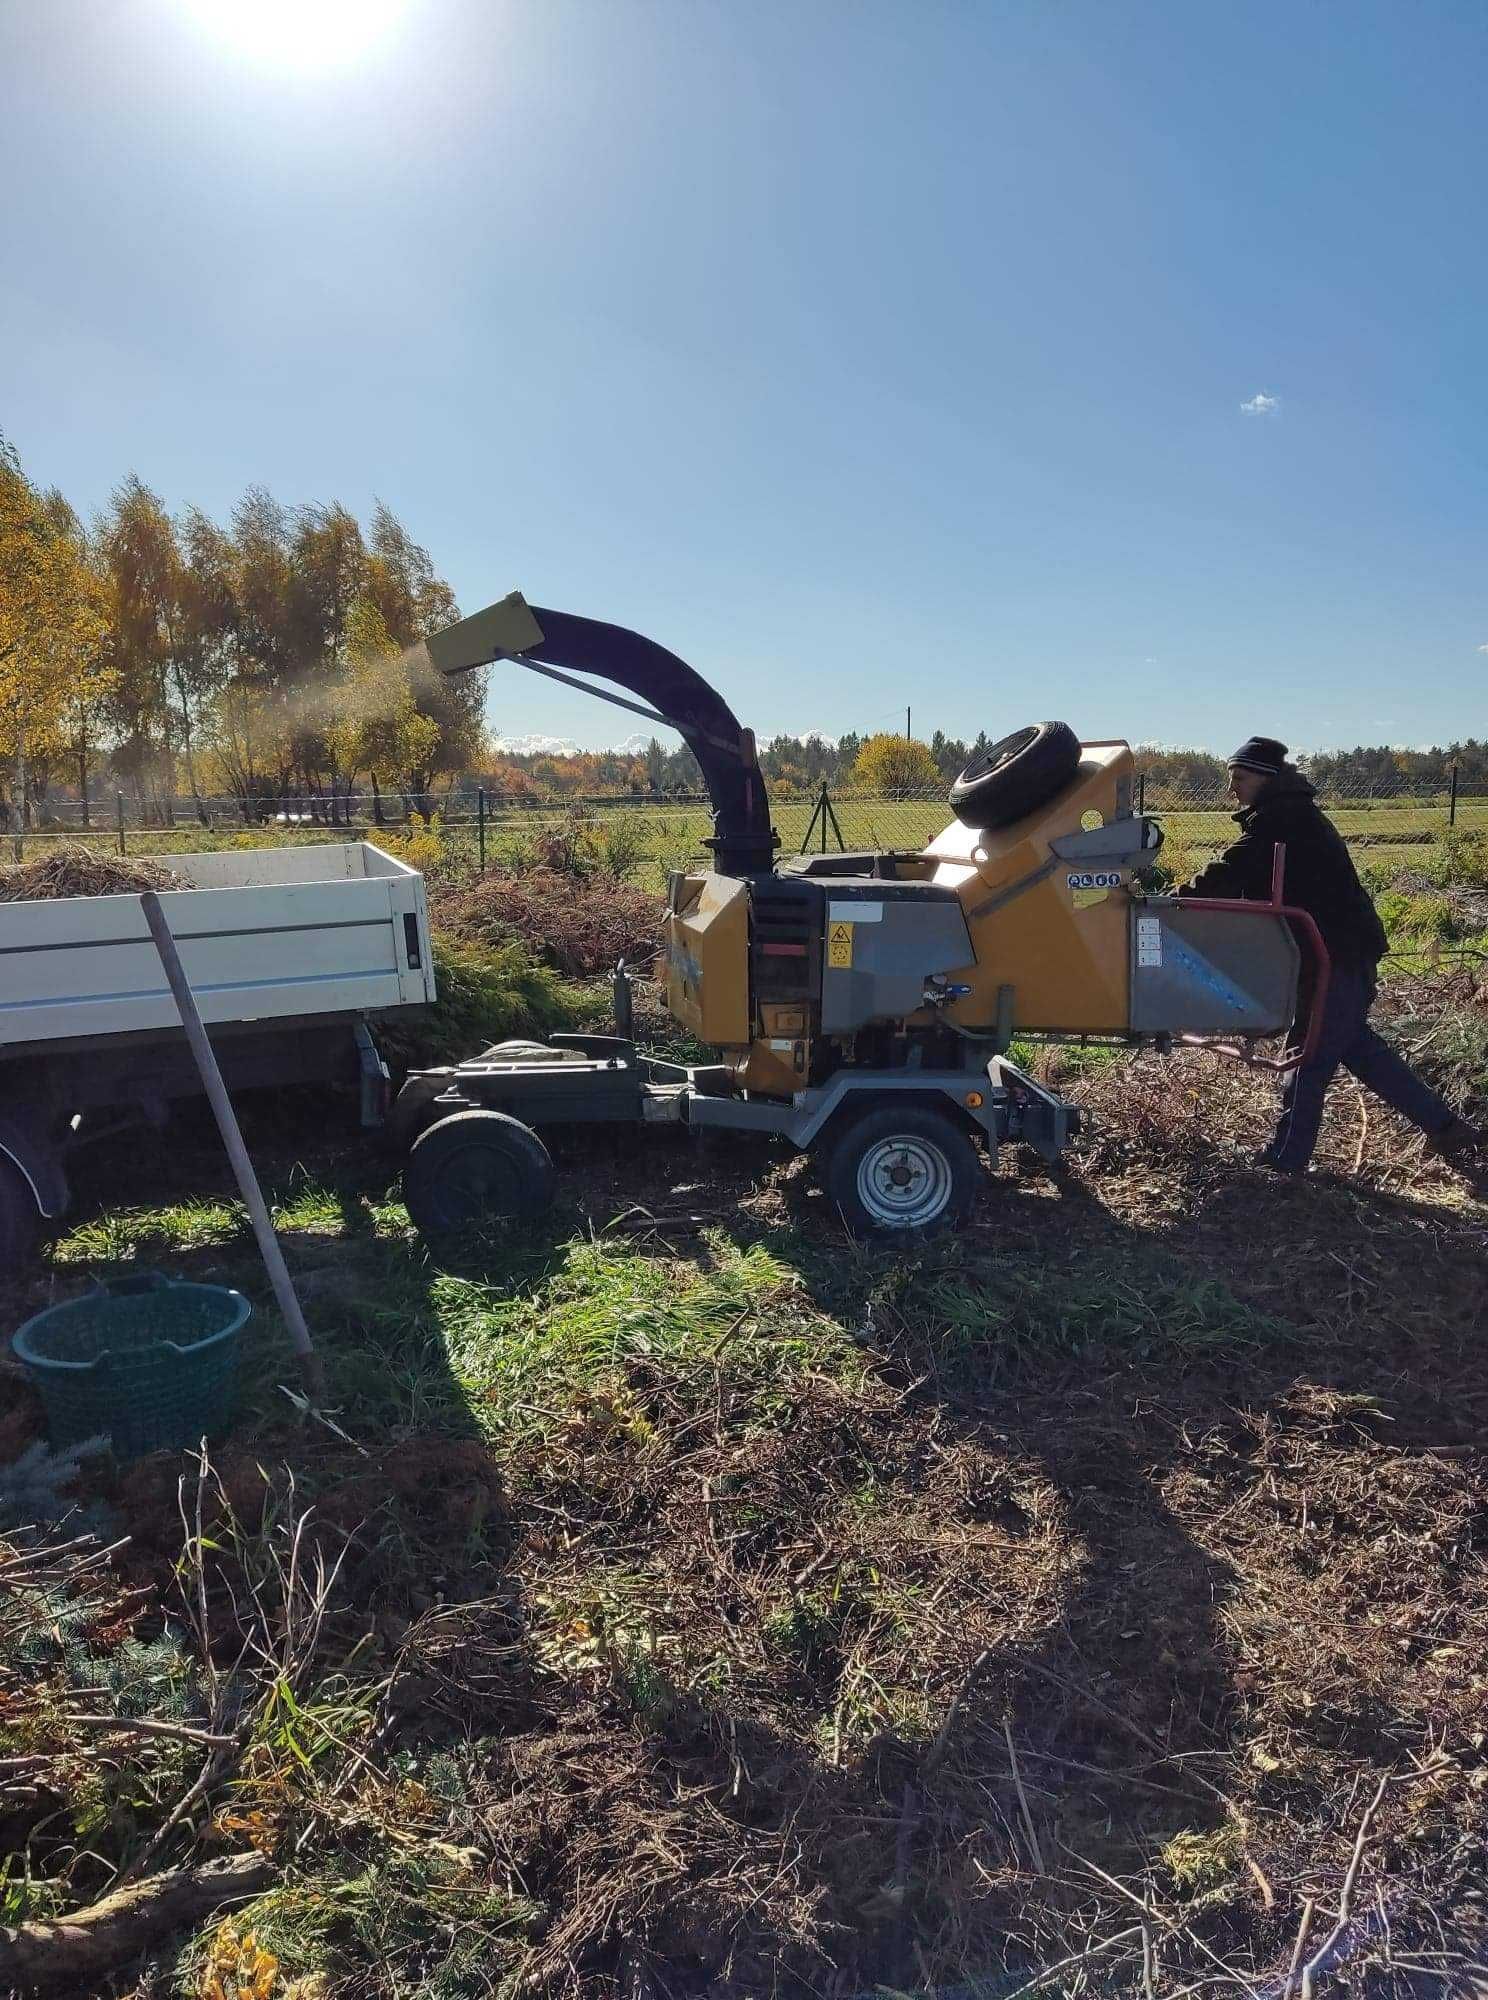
[{"x": 85, "y": 966}]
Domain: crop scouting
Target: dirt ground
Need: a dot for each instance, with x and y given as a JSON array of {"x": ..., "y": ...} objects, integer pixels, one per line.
[{"x": 1111, "y": 1586}]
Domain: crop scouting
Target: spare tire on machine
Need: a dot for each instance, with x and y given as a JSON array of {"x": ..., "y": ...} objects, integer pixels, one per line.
[{"x": 1017, "y": 775}]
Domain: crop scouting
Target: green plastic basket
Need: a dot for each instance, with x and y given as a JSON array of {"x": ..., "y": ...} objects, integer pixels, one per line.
[{"x": 145, "y": 1361}]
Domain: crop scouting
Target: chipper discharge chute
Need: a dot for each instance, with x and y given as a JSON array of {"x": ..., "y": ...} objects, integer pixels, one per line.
[{"x": 860, "y": 1005}]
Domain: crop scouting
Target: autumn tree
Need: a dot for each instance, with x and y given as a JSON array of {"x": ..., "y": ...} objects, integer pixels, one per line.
[
  {"x": 81, "y": 732},
  {"x": 413, "y": 602},
  {"x": 50, "y": 623},
  {"x": 281, "y": 651},
  {"x": 379, "y": 728},
  {"x": 895, "y": 765},
  {"x": 152, "y": 694}
]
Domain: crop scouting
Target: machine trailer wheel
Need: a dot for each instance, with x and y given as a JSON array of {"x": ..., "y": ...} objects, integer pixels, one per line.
[
  {"x": 20, "y": 1218},
  {"x": 1016, "y": 775},
  {"x": 900, "y": 1169},
  {"x": 474, "y": 1167}
]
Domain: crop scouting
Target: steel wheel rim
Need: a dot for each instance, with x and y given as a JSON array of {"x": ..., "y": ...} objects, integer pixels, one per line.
[
  {"x": 904, "y": 1183},
  {"x": 475, "y": 1181}
]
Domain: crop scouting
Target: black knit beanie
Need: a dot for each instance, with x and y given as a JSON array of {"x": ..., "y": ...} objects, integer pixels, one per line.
[{"x": 1260, "y": 753}]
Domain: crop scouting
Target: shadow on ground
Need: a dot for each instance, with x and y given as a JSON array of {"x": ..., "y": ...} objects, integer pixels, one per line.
[{"x": 1137, "y": 1533}]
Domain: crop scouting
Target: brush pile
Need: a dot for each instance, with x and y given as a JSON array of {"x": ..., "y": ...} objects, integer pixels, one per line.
[
  {"x": 578, "y": 924},
  {"x": 74, "y": 870}
]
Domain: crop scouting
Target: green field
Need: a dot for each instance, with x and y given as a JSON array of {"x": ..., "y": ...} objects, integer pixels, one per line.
[{"x": 657, "y": 838}]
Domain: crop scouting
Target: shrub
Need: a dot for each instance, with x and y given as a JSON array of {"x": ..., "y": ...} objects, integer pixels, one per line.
[
  {"x": 1466, "y": 859},
  {"x": 622, "y": 843},
  {"x": 422, "y": 848},
  {"x": 485, "y": 996},
  {"x": 1422, "y": 918},
  {"x": 579, "y": 925}
]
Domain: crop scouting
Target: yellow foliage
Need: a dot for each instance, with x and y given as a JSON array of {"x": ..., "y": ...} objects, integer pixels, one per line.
[
  {"x": 378, "y": 726},
  {"x": 896, "y": 764},
  {"x": 51, "y": 613},
  {"x": 238, "y": 1968},
  {"x": 421, "y": 847}
]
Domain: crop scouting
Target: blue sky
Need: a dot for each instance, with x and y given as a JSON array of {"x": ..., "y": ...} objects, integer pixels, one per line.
[{"x": 861, "y": 353}]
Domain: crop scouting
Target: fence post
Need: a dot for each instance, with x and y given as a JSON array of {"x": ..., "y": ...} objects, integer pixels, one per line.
[
  {"x": 480, "y": 821},
  {"x": 1452, "y": 802},
  {"x": 119, "y": 817}
]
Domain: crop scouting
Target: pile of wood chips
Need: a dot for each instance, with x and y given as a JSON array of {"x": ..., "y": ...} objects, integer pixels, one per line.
[{"x": 74, "y": 870}]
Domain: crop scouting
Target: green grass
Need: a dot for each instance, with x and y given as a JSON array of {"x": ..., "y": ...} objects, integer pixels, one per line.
[
  {"x": 420, "y": 1914},
  {"x": 135, "y": 1234},
  {"x": 527, "y": 1335},
  {"x": 524, "y": 1356}
]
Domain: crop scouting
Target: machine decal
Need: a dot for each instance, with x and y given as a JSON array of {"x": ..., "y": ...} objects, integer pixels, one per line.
[
  {"x": 1203, "y": 973},
  {"x": 1092, "y": 886},
  {"x": 840, "y": 946},
  {"x": 683, "y": 963},
  {"x": 1149, "y": 941},
  {"x": 855, "y": 912}
]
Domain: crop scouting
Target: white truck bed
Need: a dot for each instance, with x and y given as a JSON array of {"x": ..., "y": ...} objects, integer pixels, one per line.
[{"x": 265, "y": 934}]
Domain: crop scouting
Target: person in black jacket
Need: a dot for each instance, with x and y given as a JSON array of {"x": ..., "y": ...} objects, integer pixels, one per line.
[{"x": 1277, "y": 804}]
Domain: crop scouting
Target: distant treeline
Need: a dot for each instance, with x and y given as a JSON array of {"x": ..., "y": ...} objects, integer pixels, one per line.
[
  {"x": 798, "y": 765},
  {"x": 1364, "y": 772}
]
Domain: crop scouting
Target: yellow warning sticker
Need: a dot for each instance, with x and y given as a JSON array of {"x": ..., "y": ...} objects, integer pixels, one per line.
[
  {"x": 1091, "y": 886},
  {"x": 840, "y": 946}
]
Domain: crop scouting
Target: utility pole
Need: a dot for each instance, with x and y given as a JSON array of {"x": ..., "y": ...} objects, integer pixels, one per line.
[{"x": 907, "y": 730}]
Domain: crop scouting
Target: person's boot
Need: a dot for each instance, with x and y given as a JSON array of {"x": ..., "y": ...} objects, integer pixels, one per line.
[
  {"x": 1463, "y": 1148},
  {"x": 1458, "y": 1142}
]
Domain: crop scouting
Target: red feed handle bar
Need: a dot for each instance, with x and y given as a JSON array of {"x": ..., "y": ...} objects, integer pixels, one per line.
[{"x": 1300, "y": 920}]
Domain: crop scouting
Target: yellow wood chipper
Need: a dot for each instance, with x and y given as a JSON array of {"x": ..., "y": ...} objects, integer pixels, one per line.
[{"x": 859, "y": 1005}]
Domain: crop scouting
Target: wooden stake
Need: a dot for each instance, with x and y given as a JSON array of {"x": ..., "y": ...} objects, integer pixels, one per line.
[{"x": 232, "y": 1138}]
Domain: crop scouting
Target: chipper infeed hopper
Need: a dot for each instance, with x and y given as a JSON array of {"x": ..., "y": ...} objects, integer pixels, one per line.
[{"x": 862, "y": 1005}]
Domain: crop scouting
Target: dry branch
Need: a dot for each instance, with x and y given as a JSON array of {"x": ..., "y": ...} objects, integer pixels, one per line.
[
  {"x": 72, "y": 1952},
  {"x": 144, "y": 1725}
]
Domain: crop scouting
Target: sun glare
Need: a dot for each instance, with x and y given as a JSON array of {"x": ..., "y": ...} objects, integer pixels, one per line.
[{"x": 299, "y": 34}]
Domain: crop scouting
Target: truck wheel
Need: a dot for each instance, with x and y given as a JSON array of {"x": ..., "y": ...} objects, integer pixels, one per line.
[
  {"x": 1016, "y": 775},
  {"x": 473, "y": 1167},
  {"x": 901, "y": 1168},
  {"x": 20, "y": 1218}
]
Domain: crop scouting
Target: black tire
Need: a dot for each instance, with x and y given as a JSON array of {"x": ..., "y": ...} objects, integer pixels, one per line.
[
  {"x": 901, "y": 1170},
  {"x": 20, "y": 1219},
  {"x": 1015, "y": 776},
  {"x": 476, "y": 1167}
]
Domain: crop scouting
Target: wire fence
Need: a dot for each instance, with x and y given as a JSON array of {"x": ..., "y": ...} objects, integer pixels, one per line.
[{"x": 641, "y": 832}]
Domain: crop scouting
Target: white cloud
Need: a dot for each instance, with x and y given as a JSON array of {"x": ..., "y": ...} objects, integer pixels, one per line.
[
  {"x": 536, "y": 746},
  {"x": 1483, "y": 649},
  {"x": 1260, "y": 404}
]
